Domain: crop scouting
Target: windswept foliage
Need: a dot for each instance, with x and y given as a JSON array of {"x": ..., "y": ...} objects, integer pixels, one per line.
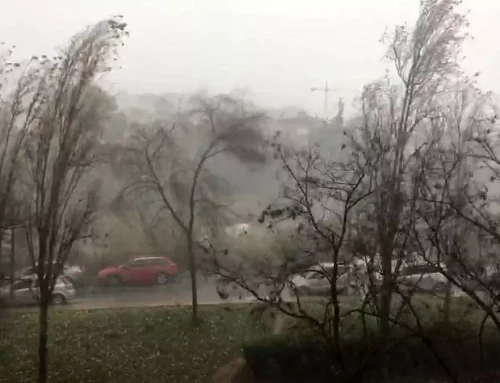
[
  {"x": 168, "y": 165},
  {"x": 55, "y": 121}
]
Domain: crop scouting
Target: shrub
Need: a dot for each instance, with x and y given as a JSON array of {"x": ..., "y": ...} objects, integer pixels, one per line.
[
  {"x": 304, "y": 357},
  {"x": 290, "y": 359}
]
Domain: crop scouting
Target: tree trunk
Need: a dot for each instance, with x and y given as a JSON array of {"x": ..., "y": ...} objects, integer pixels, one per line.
[
  {"x": 447, "y": 302},
  {"x": 42, "y": 341},
  {"x": 386, "y": 294},
  {"x": 12, "y": 260},
  {"x": 194, "y": 283}
]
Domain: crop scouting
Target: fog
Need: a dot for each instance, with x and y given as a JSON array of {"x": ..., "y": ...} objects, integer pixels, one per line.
[
  {"x": 272, "y": 52},
  {"x": 277, "y": 50},
  {"x": 213, "y": 153}
]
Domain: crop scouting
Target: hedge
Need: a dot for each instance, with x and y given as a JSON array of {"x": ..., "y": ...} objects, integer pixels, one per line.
[{"x": 299, "y": 358}]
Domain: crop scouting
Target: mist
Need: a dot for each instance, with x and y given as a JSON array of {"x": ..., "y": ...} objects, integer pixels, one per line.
[{"x": 281, "y": 191}]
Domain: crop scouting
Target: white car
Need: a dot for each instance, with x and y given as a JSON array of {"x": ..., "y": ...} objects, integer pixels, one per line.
[
  {"x": 420, "y": 276},
  {"x": 424, "y": 277},
  {"x": 26, "y": 292},
  {"x": 73, "y": 272},
  {"x": 360, "y": 266},
  {"x": 315, "y": 280}
]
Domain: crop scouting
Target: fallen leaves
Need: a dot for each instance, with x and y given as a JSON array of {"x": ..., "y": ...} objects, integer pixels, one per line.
[{"x": 127, "y": 345}]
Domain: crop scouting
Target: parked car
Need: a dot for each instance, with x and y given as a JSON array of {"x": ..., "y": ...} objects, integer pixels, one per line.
[
  {"x": 424, "y": 277},
  {"x": 361, "y": 267},
  {"x": 26, "y": 292},
  {"x": 145, "y": 270},
  {"x": 314, "y": 280},
  {"x": 73, "y": 272}
]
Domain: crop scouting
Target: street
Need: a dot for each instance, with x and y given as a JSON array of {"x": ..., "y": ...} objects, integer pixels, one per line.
[{"x": 174, "y": 294}]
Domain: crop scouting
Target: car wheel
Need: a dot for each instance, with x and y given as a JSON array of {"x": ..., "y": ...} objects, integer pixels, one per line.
[
  {"x": 114, "y": 280},
  {"x": 58, "y": 299},
  {"x": 161, "y": 279}
]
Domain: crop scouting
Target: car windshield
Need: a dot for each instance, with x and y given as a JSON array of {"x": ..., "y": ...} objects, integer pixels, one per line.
[
  {"x": 64, "y": 280},
  {"x": 137, "y": 263},
  {"x": 32, "y": 270},
  {"x": 22, "y": 284},
  {"x": 317, "y": 272},
  {"x": 419, "y": 269}
]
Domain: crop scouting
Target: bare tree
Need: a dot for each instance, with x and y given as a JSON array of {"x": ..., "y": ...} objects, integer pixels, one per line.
[
  {"x": 170, "y": 164},
  {"x": 59, "y": 152},
  {"x": 394, "y": 113},
  {"x": 454, "y": 176},
  {"x": 327, "y": 200},
  {"x": 469, "y": 202},
  {"x": 321, "y": 197}
]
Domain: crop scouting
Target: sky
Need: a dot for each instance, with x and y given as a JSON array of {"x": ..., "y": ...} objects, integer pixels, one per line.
[{"x": 276, "y": 50}]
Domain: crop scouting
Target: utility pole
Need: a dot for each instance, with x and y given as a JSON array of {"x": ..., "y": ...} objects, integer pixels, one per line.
[{"x": 325, "y": 90}]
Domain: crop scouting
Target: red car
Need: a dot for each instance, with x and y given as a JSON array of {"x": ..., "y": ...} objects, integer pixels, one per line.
[{"x": 146, "y": 270}]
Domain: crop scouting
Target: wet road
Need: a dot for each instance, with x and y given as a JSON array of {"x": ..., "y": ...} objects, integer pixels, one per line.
[{"x": 174, "y": 294}]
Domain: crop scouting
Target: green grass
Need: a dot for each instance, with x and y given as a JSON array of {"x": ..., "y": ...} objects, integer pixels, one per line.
[
  {"x": 159, "y": 344},
  {"x": 126, "y": 345}
]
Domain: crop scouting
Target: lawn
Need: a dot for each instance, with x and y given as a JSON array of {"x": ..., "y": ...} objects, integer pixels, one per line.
[
  {"x": 160, "y": 345},
  {"x": 127, "y": 345}
]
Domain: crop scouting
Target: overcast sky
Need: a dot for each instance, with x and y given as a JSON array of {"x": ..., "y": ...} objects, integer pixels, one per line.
[{"x": 277, "y": 49}]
